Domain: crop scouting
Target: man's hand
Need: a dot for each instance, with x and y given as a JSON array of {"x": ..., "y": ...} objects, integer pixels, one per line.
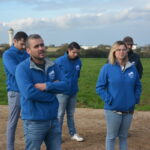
[
  {"x": 40, "y": 86},
  {"x": 56, "y": 81}
]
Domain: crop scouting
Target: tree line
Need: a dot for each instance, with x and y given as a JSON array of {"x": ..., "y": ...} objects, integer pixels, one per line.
[{"x": 99, "y": 51}]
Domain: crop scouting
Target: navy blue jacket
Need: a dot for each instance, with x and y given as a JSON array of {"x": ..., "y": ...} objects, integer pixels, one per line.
[{"x": 135, "y": 59}]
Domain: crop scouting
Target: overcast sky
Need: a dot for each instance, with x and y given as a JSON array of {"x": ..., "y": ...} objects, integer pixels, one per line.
[{"x": 88, "y": 22}]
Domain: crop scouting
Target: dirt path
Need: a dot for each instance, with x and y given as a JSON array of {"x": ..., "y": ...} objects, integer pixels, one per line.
[{"x": 91, "y": 125}]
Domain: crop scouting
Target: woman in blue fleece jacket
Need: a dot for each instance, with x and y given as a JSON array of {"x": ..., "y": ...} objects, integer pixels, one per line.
[{"x": 120, "y": 88}]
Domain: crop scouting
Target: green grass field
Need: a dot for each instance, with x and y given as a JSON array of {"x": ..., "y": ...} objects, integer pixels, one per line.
[
  {"x": 89, "y": 75},
  {"x": 88, "y": 78}
]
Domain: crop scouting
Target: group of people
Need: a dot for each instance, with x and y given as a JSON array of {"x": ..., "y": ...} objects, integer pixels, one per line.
[{"x": 44, "y": 90}]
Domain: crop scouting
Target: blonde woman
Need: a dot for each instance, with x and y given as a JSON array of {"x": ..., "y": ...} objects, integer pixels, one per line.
[{"x": 119, "y": 87}]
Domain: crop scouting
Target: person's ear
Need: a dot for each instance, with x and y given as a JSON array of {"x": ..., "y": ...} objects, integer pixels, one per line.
[
  {"x": 28, "y": 50},
  {"x": 14, "y": 41},
  {"x": 68, "y": 50}
]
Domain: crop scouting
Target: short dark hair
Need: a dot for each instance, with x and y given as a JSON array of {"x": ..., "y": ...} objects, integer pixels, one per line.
[
  {"x": 32, "y": 36},
  {"x": 73, "y": 45},
  {"x": 20, "y": 35},
  {"x": 128, "y": 40}
]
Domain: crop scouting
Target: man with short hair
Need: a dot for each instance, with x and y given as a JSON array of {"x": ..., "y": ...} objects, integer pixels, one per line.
[
  {"x": 133, "y": 57},
  {"x": 70, "y": 64},
  {"x": 11, "y": 58},
  {"x": 37, "y": 79}
]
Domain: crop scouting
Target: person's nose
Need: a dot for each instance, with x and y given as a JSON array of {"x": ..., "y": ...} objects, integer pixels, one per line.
[{"x": 129, "y": 46}]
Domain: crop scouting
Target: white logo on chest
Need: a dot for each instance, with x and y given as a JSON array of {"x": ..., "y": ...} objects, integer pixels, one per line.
[
  {"x": 77, "y": 67},
  {"x": 51, "y": 75},
  {"x": 131, "y": 74}
]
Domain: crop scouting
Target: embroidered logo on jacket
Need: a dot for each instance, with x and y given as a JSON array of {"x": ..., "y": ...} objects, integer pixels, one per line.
[
  {"x": 51, "y": 75},
  {"x": 77, "y": 67},
  {"x": 133, "y": 62},
  {"x": 131, "y": 74}
]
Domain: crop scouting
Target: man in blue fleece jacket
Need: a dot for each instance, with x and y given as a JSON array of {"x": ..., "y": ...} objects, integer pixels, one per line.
[
  {"x": 70, "y": 65},
  {"x": 37, "y": 79},
  {"x": 11, "y": 58}
]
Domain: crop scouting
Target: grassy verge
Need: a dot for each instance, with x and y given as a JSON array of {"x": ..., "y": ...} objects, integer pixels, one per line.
[{"x": 88, "y": 78}]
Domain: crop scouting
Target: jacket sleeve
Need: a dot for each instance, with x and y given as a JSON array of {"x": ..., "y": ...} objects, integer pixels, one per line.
[
  {"x": 138, "y": 89},
  {"x": 139, "y": 68},
  {"x": 102, "y": 86},
  {"x": 80, "y": 69},
  {"x": 60, "y": 86},
  {"x": 10, "y": 63},
  {"x": 27, "y": 89}
]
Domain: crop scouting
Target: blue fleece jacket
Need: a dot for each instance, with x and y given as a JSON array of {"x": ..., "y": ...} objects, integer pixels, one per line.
[
  {"x": 71, "y": 69},
  {"x": 120, "y": 90},
  {"x": 11, "y": 58},
  {"x": 36, "y": 104}
]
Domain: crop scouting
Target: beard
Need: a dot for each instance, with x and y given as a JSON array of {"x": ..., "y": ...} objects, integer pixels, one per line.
[
  {"x": 38, "y": 59},
  {"x": 75, "y": 58}
]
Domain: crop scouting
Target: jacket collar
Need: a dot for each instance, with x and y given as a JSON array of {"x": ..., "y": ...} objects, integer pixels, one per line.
[
  {"x": 17, "y": 50},
  {"x": 130, "y": 52},
  {"x": 48, "y": 63},
  {"x": 66, "y": 55},
  {"x": 127, "y": 65}
]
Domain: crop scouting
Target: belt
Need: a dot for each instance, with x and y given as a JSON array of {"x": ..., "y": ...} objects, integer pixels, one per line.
[{"x": 123, "y": 112}]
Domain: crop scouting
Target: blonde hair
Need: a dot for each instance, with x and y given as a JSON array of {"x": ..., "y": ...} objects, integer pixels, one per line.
[{"x": 111, "y": 56}]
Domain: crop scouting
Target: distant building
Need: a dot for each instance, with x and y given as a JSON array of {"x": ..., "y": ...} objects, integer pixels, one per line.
[
  {"x": 134, "y": 46},
  {"x": 88, "y": 47},
  {"x": 10, "y": 35}
]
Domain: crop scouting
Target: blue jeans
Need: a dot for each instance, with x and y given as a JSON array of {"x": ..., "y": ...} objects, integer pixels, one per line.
[
  {"x": 14, "y": 113},
  {"x": 117, "y": 126},
  {"x": 67, "y": 104},
  {"x": 36, "y": 132}
]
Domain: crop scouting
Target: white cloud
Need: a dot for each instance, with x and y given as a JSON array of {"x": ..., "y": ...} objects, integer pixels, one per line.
[
  {"x": 84, "y": 20},
  {"x": 82, "y": 17}
]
